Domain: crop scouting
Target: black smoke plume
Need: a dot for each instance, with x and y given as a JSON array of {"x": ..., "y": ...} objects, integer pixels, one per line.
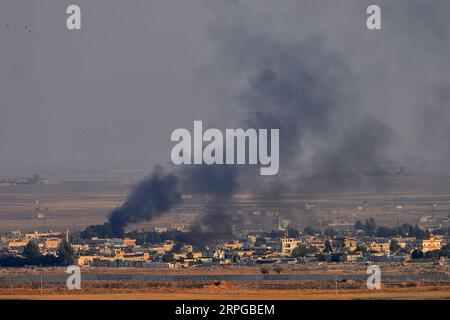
[
  {"x": 160, "y": 192},
  {"x": 301, "y": 87},
  {"x": 150, "y": 198},
  {"x": 309, "y": 93},
  {"x": 220, "y": 183}
]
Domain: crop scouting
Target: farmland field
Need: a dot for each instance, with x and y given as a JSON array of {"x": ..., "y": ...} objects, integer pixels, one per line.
[{"x": 76, "y": 205}]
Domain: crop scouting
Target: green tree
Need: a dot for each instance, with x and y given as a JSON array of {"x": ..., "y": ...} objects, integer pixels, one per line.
[
  {"x": 265, "y": 270},
  {"x": 260, "y": 241},
  {"x": 417, "y": 254},
  {"x": 362, "y": 249},
  {"x": 394, "y": 246},
  {"x": 293, "y": 232},
  {"x": 328, "y": 246},
  {"x": 358, "y": 225},
  {"x": 310, "y": 231},
  {"x": 31, "y": 251},
  {"x": 432, "y": 254},
  {"x": 321, "y": 257},
  {"x": 330, "y": 232},
  {"x": 278, "y": 269},
  {"x": 336, "y": 257},
  {"x": 385, "y": 232},
  {"x": 370, "y": 227},
  {"x": 66, "y": 255},
  {"x": 312, "y": 249},
  {"x": 168, "y": 257},
  {"x": 299, "y": 251},
  {"x": 445, "y": 251}
]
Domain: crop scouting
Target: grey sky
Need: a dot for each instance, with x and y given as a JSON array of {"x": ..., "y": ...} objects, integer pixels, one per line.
[
  {"x": 114, "y": 91},
  {"x": 109, "y": 93}
]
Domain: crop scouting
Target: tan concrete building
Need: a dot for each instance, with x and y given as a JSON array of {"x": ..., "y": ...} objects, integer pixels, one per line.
[
  {"x": 52, "y": 243},
  {"x": 345, "y": 244},
  {"x": 285, "y": 246},
  {"x": 432, "y": 244}
]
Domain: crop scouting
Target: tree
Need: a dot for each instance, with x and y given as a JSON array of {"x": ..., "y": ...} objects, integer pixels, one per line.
[
  {"x": 299, "y": 251},
  {"x": 330, "y": 232},
  {"x": 442, "y": 231},
  {"x": 362, "y": 249},
  {"x": 432, "y": 254},
  {"x": 66, "y": 255},
  {"x": 276, "y": 234},
  {"x": 293, "y": 232},
  {"x": 394, "y": 246},
  {"x": 260, "y": 241},
  {"x": 358, "y": 225},
  {"x": 385, "y": 232},
  {"x": 445, "y": 251},
  {"x": 265, "y": 270},
  {"x": 370, "y": 227},
  {"x": 310, "y": 231},
  {"x": 418, "y": 233},
  {"x": 336, "y": 257},
  {"x": 417, "y": 254},
  {"x": 31, "y": 251},
  {"x": 168, "y": 257},
  {"x": 312, "y": 249},
  {"x": 278, "y": 269},
  {"x": 100, "y": 231},
  {"x": 328, "y": 246},
  {"x": 321, "y": 257}
]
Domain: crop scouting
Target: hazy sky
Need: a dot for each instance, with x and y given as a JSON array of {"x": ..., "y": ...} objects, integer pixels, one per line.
[{"x": 114, "y": 91}]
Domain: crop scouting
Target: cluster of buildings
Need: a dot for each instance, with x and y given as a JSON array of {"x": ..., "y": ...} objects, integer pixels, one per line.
[
  {"x": 48, "y": 242},
  {"x": 252, "y": 250},
  {"x": 9, "y": 182},
  {"x": 434, "y": 222},
  {"x": 248, "y": 249}
]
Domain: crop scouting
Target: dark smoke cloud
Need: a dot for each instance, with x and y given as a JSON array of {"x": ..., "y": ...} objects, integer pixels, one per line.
[
  {"x": 216, "y": 180},
  {"x": 312, "y": 68},
  {"x": 296, "y": 86},
  {"x": 160, "y": 192},
  {"x": 219, "y": 182},
  {"x": 433, "y": 125},
  {"x": 309, "y": 93},
  {"x": 150, "y": 198},
  {"x": 357, "y": 151},
  {"x": 317, "y": 93}
]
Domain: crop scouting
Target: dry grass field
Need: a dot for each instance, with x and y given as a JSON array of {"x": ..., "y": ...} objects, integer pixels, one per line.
[
  {"x": 266, "y": 289},
  {"x": 78, "y": 204},
  {"x": 235, "y": 293}
]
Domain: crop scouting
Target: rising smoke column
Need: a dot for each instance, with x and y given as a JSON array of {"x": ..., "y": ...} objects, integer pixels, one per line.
[
  {"x": 219, "y": 182},
  {"x": 150, "y": 198},
  {"x": 307, "y": 92},
  {"x": 160, "y": 192},
  {"x": 298, "y": 86}
]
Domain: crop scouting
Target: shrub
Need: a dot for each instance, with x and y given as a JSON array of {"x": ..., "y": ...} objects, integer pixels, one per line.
[{"x": 278, "y": 269}]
